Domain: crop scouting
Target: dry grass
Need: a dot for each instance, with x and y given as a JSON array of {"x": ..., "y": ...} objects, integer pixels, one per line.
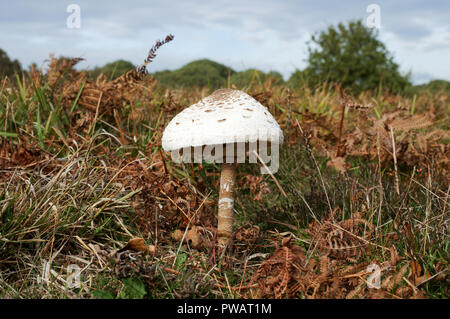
[{"x": 365, "y": 181}]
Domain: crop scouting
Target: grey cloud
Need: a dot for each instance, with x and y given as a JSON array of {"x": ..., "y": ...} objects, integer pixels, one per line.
[
  {"x": 270, "y": 32},
  {"x": 422, "y": 77}
]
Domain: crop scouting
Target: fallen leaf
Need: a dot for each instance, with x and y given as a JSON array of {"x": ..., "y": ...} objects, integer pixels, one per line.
[
  {"x": 138, "y": 244},
  {"x": 415, "y": 270},
  {"x": 177, "y": 235},
  {"x": 395, "y": 258},
  {"x": 197, "y": 237},
  {"x": 247, "y": 235},
  {"x": 421, "y": 279},
  {"x": 338, "y": 163}
]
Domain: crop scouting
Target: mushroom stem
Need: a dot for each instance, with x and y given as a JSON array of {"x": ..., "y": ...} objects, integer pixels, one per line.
[{"x": 226, "y": 203}]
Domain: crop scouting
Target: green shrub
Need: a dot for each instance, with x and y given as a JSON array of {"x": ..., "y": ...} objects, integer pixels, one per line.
[
  {"x": 199, "y": 73},
  {"x": 7, "y": 66},
  {"x": 254, "y": 76},
  {"x": 353, "y": 56},
  {"x": 112, "y": 70}
]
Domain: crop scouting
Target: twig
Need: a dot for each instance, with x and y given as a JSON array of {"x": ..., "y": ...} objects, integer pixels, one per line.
[
  {"x": 341, "y": 123},
  {"x": 96, "y": 113},
  {"x": 271, "y": 175},
  {"x": 317, "y": 166},
  {"x": 236, "y": 288},
  {"x": 435, "y": 275},
  {"x": 394, "y": 155},
  {"x": 116, "y": 118}
]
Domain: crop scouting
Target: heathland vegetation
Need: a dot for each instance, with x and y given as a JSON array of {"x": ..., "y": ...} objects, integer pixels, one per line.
[{"x": 363, "y": 183}]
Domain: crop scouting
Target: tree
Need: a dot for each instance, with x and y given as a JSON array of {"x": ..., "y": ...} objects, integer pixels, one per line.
[
  {"x": 435, "y": 86},
  {"x": 7, "y": 66},
  {"x": 299, "y": 79},
  {"x": 113, "y": 70},
  {"x": 245, "y": 78},
  {"x": 353, "y": 56},
  {"x": 197, "y": 73}
]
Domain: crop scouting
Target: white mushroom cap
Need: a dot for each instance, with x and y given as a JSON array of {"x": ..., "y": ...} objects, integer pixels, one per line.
[{"x": 226, "y": 116}]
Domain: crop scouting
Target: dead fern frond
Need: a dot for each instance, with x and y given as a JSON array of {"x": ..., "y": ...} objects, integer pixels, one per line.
[
  {"x": 414, "y": 122},
  {"x": 346, "y": 240},
  {"x": 142, "y": 70}
]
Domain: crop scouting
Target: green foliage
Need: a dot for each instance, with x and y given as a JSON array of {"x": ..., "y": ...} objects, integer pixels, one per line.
[
  {"x": 102, "y": 294},
  {"x": 298, "y": 79},
  {"x": 112, "y": 70},
  {"x": 249, "y": 77},
  {"x": 199, "y": 73},
  {"x": 435, "y": 86},
  {"x": 181, "y": 261},
  {"x": 353, "y": 56},
  {"x": 133, "y": 288},
  {"x": 7, "y": 66},
  {"x": 214, "y": 75}
]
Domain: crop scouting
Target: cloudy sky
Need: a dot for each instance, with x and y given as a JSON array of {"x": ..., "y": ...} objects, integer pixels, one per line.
[{"x": 264, "y": 34}]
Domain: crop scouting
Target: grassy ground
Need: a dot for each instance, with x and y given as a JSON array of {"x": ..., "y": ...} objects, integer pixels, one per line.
[{"x": 363, "y": 184}]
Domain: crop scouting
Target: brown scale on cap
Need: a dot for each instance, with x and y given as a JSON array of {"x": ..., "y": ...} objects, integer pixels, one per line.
[
  {"x": 226, "y": 117},
  {"x": 222, "y": 96}
]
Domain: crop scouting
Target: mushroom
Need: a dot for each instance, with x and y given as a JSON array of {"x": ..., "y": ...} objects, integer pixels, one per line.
[{"x": 227, "y": 127}]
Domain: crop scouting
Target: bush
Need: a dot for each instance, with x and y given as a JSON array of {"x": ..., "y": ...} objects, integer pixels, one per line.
[
  {"x": 7, "y": 66},
  {"x": 253, "y": 76},
  {"x": 435, "y": 86},
  {"x": 353, "y": 56},
  {"x": 112, "y": 70},
  {"x": 199, "y": 73}
]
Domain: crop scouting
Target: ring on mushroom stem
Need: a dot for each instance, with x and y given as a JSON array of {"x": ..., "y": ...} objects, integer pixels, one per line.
[{"x": 226, "y": 127}]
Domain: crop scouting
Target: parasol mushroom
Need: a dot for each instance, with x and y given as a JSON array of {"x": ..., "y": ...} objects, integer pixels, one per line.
[{"x": 226, "y": 127}]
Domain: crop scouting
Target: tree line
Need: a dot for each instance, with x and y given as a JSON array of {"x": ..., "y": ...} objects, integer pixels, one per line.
[{"x": 349, "y": 54}]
